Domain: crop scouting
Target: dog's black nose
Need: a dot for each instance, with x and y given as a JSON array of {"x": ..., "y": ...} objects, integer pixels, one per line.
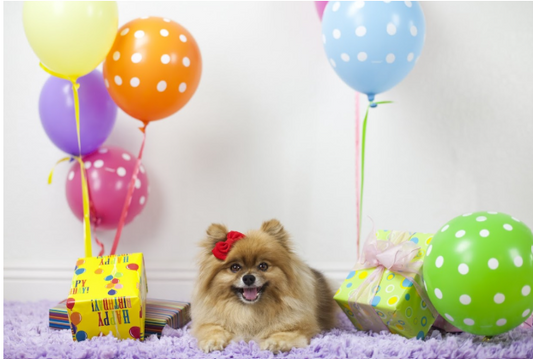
[{"x": 248, "y": 279}]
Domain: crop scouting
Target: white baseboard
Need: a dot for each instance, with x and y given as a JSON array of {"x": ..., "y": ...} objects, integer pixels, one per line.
[{"x": 166, "y": 280}]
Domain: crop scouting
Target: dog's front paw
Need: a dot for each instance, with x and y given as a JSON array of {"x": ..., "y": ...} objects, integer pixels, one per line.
[
  {"x": 283, "y": 342},
  {"x": 211, "y": 344},
  {"x": 212, "y": 337}
]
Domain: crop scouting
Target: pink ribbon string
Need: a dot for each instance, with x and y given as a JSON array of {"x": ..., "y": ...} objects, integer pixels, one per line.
[
  {"x": 129, "y": 195},
  {"x": 357, "y": 172},
  {"x": 101, "y": 245}
]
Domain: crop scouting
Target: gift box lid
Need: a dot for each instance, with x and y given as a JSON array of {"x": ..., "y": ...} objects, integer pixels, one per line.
[{"x": 103, "y": 276}]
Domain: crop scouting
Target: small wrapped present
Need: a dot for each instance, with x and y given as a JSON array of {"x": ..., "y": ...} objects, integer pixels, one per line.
[
  {"x": 528, "y": 324},
  {"x": 159, "y": 313},
  {"x": 383, "y": 292},
  {"x": 108, "y": 295}
]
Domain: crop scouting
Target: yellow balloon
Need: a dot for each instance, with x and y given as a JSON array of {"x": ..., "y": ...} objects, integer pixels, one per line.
[{"x": 71, "y": 38}]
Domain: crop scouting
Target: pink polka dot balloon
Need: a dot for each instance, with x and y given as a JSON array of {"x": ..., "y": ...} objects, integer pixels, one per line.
[{"x": 109, "y": 172}]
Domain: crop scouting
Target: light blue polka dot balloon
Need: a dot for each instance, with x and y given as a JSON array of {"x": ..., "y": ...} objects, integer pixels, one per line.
[{"x": 373, "y": 45}]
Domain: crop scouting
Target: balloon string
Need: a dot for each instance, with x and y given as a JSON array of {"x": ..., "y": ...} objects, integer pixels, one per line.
[
  {"x": 85, "y": 196},
  {"x": 360, "y": 209},
  {"x": 84, "y": 189},
  {"x": 101, "y": 245},
  {"x": 357, "y": 172},
  {"x": 129, "y": 195}
]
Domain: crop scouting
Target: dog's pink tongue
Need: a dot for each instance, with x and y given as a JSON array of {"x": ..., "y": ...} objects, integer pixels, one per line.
[{"x": 250, "y": 293}]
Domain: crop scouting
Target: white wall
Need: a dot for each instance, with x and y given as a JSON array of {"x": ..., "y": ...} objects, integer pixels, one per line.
[{"x": 270, "y": 133}]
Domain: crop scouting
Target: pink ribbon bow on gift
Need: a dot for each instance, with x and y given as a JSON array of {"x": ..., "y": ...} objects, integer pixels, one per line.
[{"x": 395, "y": 255}]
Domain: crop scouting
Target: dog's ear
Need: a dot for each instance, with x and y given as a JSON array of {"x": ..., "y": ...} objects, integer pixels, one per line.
[
  {"x": 276, "y": 230},
  {"x": 215, "y": 233}
]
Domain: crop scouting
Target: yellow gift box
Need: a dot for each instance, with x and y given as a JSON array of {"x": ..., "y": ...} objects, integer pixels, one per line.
[{"x": 108, "y": 295}]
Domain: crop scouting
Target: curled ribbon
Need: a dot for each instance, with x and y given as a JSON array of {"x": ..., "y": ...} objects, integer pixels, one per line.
[
  {"x": 84, "y": 187},
  {"x": 85, "y": 197},
  {"x": 394, "y": 254},
  {"x": 129, "y": 194}
]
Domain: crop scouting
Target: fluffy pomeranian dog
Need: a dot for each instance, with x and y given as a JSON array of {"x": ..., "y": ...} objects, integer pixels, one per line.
[{"x": 254, "y": 287}]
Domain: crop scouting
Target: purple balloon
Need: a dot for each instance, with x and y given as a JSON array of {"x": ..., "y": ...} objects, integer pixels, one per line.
[{"x": 97, "y": 113}]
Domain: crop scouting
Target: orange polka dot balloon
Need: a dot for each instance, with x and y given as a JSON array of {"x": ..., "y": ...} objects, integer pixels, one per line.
[{"x": 153, "y": 68}]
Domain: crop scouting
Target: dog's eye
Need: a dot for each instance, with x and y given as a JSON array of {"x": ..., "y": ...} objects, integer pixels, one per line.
[
  {"x": 235, "y": 268},
  {"x": 262, "y": 266}
]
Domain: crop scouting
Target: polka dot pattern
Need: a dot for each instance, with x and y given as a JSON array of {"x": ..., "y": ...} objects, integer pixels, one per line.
[
  {"x": 463, "y": 268},
  {"x": 483, "y": 248},
  {"x": 391, "y": 29},
  {"x": 134, "y": 82},
  {"x": 465, "y": 299},
  {"x": 499, "y": 298},
  {"x": 161, "y": 86},
  {"x": 395, "y": 300},
  {"x": 112, "y": 168},
  {"x": 136, "y": 58},
  {"x": 438, "y": 293},
  {"x": 493, "y": 263},
  {"x": 469, "y": 321},
  {"x": 386, "y": 42},
  {"x": 501, "y": 322}
]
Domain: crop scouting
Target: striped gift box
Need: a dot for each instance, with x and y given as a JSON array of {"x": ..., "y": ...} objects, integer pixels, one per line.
[{"x": 159, "y": 313}]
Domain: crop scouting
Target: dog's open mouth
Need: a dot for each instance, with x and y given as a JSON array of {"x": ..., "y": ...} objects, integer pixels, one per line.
[{"x": 250, "y": 294}]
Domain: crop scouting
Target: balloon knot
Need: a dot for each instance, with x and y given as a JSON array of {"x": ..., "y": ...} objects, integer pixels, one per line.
[{"x": 373, "y": 104}]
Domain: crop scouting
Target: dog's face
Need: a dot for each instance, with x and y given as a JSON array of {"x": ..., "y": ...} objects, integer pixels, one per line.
[{"x": 257, "y": 268}]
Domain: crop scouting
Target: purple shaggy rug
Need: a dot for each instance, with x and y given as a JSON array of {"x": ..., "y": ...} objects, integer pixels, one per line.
[{"x": 26, "y": 335}]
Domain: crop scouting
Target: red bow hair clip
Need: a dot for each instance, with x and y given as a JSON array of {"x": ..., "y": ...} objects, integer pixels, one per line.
[{"x": 222, "y": 248}]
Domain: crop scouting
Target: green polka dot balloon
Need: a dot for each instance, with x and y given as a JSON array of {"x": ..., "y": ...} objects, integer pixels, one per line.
[{"x": 478, "y": 272}]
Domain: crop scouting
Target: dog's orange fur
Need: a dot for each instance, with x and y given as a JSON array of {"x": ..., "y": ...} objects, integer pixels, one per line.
[{"x": 296, "y": 304}]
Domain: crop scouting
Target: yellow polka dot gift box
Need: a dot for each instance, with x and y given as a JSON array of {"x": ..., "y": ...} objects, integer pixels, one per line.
[
  {"x": 108, "y": 295},
  {"x": 384, "y": 291}
]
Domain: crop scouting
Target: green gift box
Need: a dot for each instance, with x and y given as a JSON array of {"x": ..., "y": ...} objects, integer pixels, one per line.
[{"x": 396, "y": 300}]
